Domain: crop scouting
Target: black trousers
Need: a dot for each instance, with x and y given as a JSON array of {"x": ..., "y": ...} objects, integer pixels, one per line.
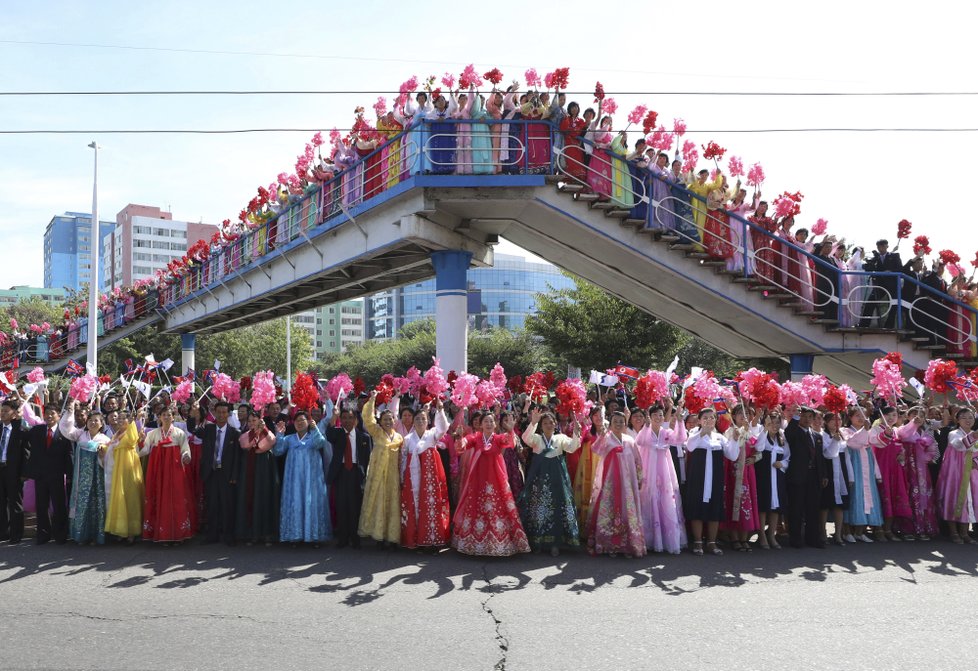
[
  {"x": 875, "y": 305},
  {"x": 219, "y": 500},
  {"x": 803, "y": 508},
  {"x": 11, "y": 507},
  {"x": 349, "y": 499},
  {"x": 48, "y": 493}
]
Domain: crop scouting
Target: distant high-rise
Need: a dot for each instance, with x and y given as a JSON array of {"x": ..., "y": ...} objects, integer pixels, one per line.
[
  {"x": 68, "y": 249},
  {"x": 145, "y": 239}
]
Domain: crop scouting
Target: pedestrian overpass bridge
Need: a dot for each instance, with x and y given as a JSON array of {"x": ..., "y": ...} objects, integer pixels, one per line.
[{"x": 393, "y": 218}]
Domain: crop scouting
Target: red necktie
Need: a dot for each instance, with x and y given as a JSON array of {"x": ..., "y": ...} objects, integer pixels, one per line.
[
  {"x": 348, "y": 455},
  {"x": 50, "y": 436}
]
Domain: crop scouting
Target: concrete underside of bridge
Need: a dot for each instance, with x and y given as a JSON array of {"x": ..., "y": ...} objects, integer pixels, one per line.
[{"x": 390, "y": 244}]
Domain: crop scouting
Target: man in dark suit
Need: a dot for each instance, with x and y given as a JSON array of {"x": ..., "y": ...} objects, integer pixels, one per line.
[
  {"x": 347, "y": 475},
  {"x": 807, "y": 476},
  {"x": 219, "y": 459},
  {"x": 14, "y": 453},
  {"x": 884, "y": 288},
  {"x": 934, "y": 305},
  {"x": 49, "y": 465}
]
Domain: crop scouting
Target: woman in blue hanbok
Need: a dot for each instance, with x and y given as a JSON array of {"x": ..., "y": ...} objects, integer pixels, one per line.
[
  {"x": 305, "y": 508},
  {"x": 481, "y": 140},
  {"x": 415, "y": 120},
  {"x": 86, "y": 508}
]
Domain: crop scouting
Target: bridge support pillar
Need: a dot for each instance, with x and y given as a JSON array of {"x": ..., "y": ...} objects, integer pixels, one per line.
[
  {"x": 451, "y": 308},
  {"x": 188, "y": 344},
  {"x": 801, "y": 365}
]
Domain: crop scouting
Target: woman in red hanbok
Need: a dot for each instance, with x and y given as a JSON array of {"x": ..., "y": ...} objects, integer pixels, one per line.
[
  {"x": 168, "y": 510},
  {"x": 743, "y": 516},
  {"x": 487, "y": 522},
  {"x": 573, "y": 128},
  {"x": 537, "y": 134},
  {"x": 615, "y": 522},
  {"x": 716, "y": 236},
  {"x": 373, "y": 175},
  {"x": 424, "y": 492}
]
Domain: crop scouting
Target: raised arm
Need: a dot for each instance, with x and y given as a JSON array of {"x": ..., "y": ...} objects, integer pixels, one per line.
[{"x": 67, "y": 425}]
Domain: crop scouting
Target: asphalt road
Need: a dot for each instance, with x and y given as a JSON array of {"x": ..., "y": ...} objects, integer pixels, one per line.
[{"x": 884, "y": 606}]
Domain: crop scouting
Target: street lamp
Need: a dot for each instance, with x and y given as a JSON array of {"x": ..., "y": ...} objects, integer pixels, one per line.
[{"x": 93, "y": 276}]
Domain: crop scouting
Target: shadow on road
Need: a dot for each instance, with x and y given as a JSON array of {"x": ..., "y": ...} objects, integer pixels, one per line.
[{"x": 364, "y": 576}]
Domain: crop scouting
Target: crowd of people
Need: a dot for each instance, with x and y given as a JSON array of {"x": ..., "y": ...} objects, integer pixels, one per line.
[
  {"x": 459, "y": 129},
  {"x": 496, "y": 468}
]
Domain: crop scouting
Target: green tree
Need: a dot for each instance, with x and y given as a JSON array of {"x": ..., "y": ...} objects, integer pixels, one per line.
[
  {"x": 241, "y": 351},
  {"x": 30, "y": 311},
  {"x": 519, "y": 352},
  {"x": 588, "y": 327},
  {"x": 585, "y": 326}
]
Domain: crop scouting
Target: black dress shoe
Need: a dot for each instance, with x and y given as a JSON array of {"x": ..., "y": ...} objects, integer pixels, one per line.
[
  {"x": 41, "y": 541},
  {"x": 341, "y": 544}
]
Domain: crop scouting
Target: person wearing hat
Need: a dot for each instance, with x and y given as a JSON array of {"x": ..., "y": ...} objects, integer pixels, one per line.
[{"x": 884, "y": 288}]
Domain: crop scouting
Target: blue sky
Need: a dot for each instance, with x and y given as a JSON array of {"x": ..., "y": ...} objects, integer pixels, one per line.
[{"x": 862, "y": 183}]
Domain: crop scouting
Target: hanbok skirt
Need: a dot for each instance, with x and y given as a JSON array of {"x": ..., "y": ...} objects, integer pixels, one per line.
[
  {"x": 257, "y": 511},
  {"x": 424, "y": 505},
  {"x": 441, "y": 148},
  {"x": 717, "y": 234},
  {"x": 693, "y": 505},
  {"x": 380, "y": 515},
  {"x": 304, "y": 515},
  {"x": 893, "y": 488},
  {"x": 949, "y": 487},
  {"x": 663, "y": 525},
  {"x": 168, "y": 509},
  {"x": 599, "y": 173},
  {"x": 514, "y": 472},
  {"x": 124, "y": 516},
  {"x": 615, "y": 523},
  {"x": 749, "y": 517},
  {"x": 86, "y": 512},
  {"x": 546, "y": 504},
  {"x": 863, "y": 488},
  {"x": 923, "y": 506},
  {"x": 487, "y": 522}
]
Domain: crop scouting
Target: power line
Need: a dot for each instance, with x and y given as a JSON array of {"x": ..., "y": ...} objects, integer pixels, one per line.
[
  {"x": 769, "y": 94},
  {"x": 373, "y": 59},
  {"x": 233, "y": 131}
]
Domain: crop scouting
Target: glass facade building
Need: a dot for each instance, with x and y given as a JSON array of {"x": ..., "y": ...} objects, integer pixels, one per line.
[
  {"x": 68, "y": 250},
  {"x": 498, "y": 297}
]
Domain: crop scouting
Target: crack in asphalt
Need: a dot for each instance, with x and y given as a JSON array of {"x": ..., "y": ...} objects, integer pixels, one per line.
[{"x": 501, "y": 639}]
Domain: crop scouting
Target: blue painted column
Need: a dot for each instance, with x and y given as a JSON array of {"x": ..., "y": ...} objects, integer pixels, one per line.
[
  {"x": 801, "y": 365},
  {"x": 451, "y": 308},
  {"x": 188, "y": 345}
]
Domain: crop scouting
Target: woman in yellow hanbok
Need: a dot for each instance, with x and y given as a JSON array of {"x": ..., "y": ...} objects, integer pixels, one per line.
[
  {"x": 702, "y": 188},
  {"x": 621, "y": 176},
  {"x": 124, "y": 516},
  {"x": 587, "y": 462},
  {"x": 380, "y": 516}
]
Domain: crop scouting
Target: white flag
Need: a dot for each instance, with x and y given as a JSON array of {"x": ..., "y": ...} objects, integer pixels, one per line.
[
  {"x": 672, "y": 368},
  {"x": 166, "y": 364},
  {"x": 150, "y": 358},
  {"x": 609, "y": 380},
  {"x": 918, "y": 387},
  {"x": 90, "y": 369},
  {"x": 595, "y": 377},
  {"x": 145, "y": 388},
  {"x": 217, "y": 365}
]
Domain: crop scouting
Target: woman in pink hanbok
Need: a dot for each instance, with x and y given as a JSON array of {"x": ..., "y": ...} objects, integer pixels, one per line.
[
  {"x": 921, "y": 451},
  {"x": 463, "y": 135},
  {"x": 599, "y": 168},
  {"x": 663, "y": 524},
  {"x": 957, "y": 483},
  {"x": 891, "y": 458},
  {"x": 796, "y": 264},
  {"x": 743, "y": 247},
  {"x": 614, "y": 524}
]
